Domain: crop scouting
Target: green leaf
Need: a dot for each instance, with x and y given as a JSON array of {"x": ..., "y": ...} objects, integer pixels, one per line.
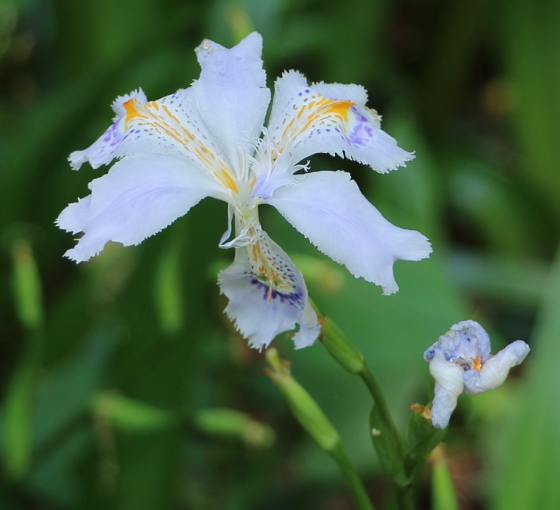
[
  {"x": 530, "y": 445},
  {"x": 443, "y": 490},
  {"x": 532, "y": 56},
  {"x": 387, "y": 447},
  {"x": 18, "y": 412},
  {"x": 62, "y": 422},
  {"x": 18, "y": 422},
  {"x": 422, "y": 438}
]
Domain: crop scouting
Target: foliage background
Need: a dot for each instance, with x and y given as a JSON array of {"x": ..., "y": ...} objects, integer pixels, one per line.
[{"x": 472, "y": 86}]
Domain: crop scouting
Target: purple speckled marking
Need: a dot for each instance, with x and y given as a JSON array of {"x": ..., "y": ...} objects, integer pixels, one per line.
[
  {"x": 362, "y": 131},
  {"x": 107, "y": 145},
  {"x": 112, "y": 134},
  {"x": 429, "y": 354},
  {"x": 295, "y": 298},
  {"x": 361, "y": 118}
]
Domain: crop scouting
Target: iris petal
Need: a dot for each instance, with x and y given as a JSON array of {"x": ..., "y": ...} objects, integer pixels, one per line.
[
  {"x": 232, "y": 96},
  {"x": 329, "y": 209},
  {"x": 267, "y": 295},
  {"x": 171, "y": 125},
  {"x": 329, "y": 118},
  {"x": 140, "y": 196}
]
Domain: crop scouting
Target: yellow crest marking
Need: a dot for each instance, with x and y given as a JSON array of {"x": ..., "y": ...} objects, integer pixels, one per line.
[
  {"x": 162, "y": 119},
  {"x": 318, "y": 109}
]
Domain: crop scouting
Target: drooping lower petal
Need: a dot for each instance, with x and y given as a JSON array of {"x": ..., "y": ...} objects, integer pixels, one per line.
[
  {"x": 322, "y": 118},
  {"x": 329, "y": 209},
  {"x": 139, "y": 196},
  {"x": 267, "y": 295}
]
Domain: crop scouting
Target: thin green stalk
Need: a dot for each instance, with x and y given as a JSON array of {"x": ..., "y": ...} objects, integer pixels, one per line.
[
  {"x": 386, "y": 438},
  {"x": 316, "y": 424},
  {"x": 352, "y": 360},
  {"x": 388, "y": 443},
  {"x": 352, "y": 479},
  {"x": 383, "y": 408}
]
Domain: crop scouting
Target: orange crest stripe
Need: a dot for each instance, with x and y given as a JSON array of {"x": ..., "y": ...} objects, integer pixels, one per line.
[{"x": 161, "y": 118}]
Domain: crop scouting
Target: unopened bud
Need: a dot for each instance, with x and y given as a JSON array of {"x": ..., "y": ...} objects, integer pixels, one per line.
[
  {"x": 222, "y": 422},
  {"x": 27, "y": 286},
  {"x": 340, "y": 348}
]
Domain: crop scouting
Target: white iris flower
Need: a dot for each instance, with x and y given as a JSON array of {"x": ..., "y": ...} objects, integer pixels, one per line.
[
  {"x": 203, "y": 141},
  {"x": 460, "y": 361}
]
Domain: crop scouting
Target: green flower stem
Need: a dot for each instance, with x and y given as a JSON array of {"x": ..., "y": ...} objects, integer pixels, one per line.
[
  {"x": 352, "y": 479},
  {"x": 383, "y": 411},
  {"x": 352, "y": 360},
  {"x": 386, "y": 438},
  {"x": 316, "y": 424}
]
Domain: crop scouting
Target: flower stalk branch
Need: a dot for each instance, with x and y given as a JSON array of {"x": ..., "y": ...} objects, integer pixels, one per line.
[
  {"x": 316, "y": 424},
  {"x": 386, "y": 439}
]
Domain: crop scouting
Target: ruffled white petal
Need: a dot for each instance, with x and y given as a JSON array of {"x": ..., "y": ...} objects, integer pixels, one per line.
[
  {"x": 309, "y": 119},
  {"x": 231, "y": 95},
  {"x": 110, "y": 144},
  {"x": 351, "y": 92},
  {"x": 267, "y": 295},
  {"x": 171, "y": 125},
  {"x": 329, "y": 209},
  {"x": 139, "y": 196},
  {"x": 118, "y": 103}
]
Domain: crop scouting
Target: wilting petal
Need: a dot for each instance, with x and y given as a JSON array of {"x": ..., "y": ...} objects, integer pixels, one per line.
[
  {"x": 171, "y": 125},
  {"x": 139, "y": 196},
  {"x": 267, "y": 295},
  {"x": 309, "y": 119},
  {"x": 464, "y": 342},
  {"x": 231, "y": 94},
  {"x": 461, "y": 361},
  {"x": 449, "y": 385},
  {"x": 494, "y": 371},
  {"x": 329, "y": 209}
]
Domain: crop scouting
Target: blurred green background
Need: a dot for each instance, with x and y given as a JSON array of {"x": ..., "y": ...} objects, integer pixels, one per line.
[{"x": 114, "y": 372}]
